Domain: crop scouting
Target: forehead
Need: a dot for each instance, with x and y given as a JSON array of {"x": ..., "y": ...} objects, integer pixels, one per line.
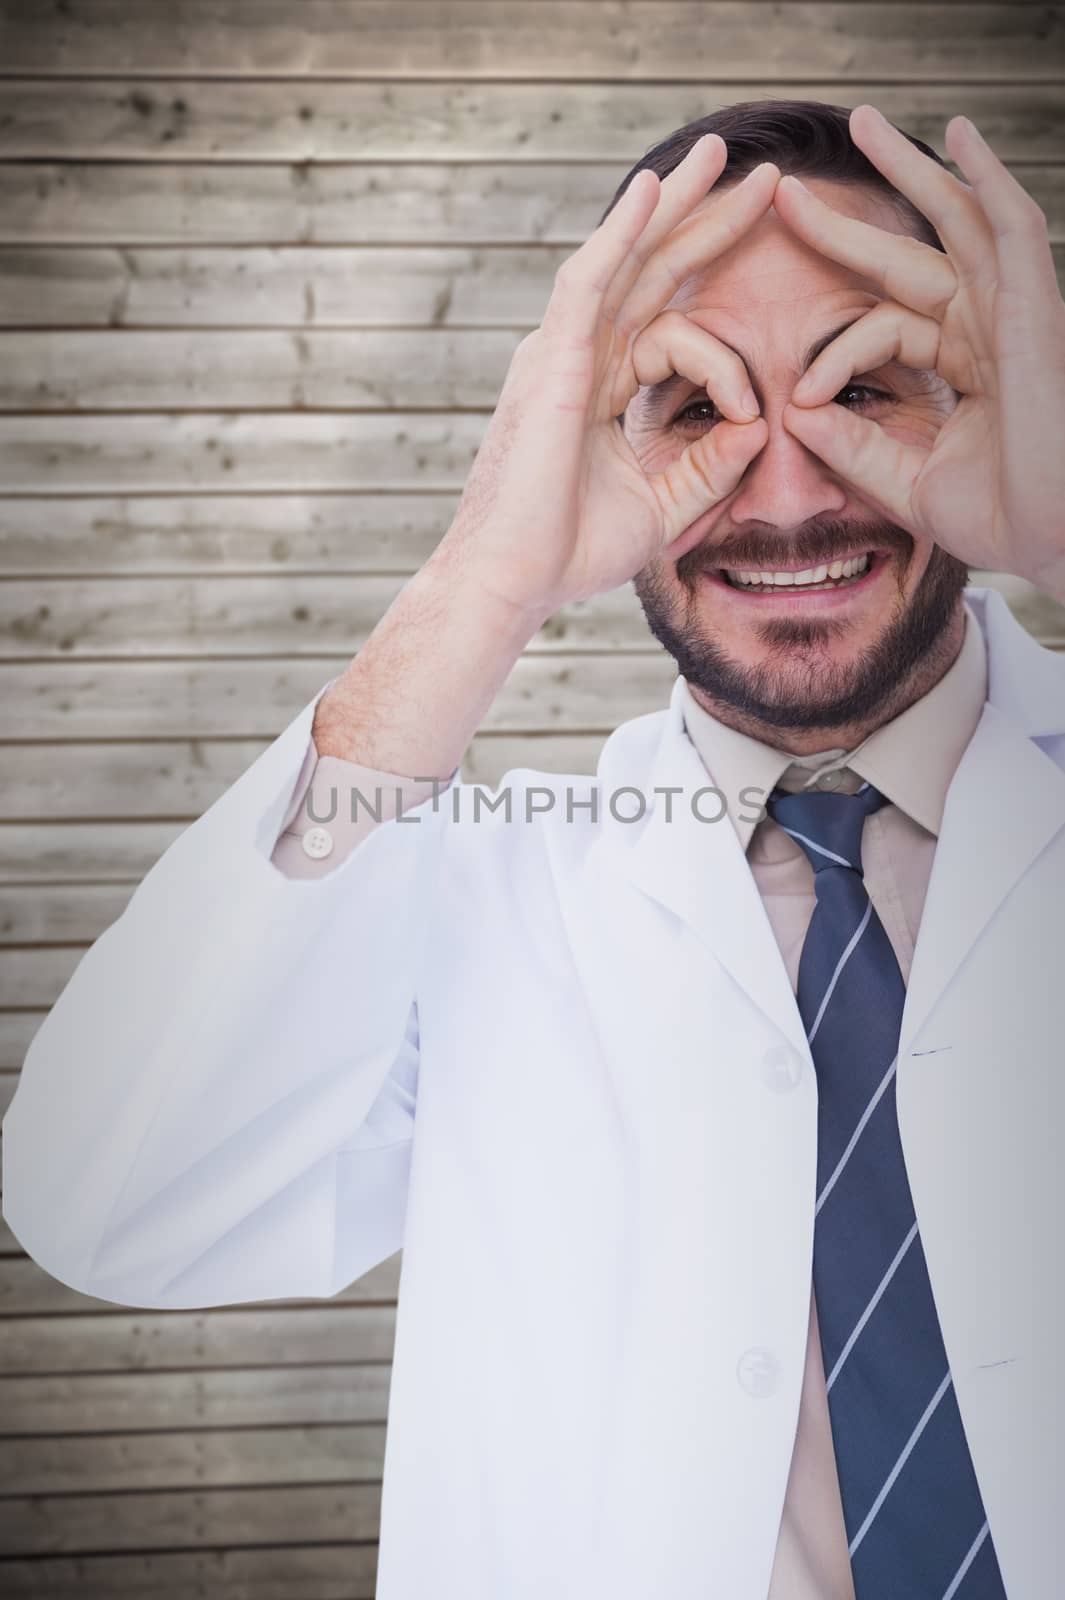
[{"x": 770, "y": 269}]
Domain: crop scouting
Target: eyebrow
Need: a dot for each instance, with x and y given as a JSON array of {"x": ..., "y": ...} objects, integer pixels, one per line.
[{"x": 656, "y": 398}]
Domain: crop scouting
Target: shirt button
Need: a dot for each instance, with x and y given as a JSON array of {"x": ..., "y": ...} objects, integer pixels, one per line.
[
  {"x": 757, "y": 1371},
  {"x": 317, "y": 842},
  {"x": 781, "y": 1069}
]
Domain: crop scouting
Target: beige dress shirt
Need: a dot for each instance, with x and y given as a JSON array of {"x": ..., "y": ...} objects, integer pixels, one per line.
[{"x": 910, "y": 759}]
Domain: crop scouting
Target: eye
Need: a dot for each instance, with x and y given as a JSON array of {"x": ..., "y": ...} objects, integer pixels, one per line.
[
  {"x": 865, "y": 396},
  {"x": 857, "y": 396},
  {"x": 688, "y": 419}
]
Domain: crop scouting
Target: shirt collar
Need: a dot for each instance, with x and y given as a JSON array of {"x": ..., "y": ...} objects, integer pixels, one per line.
[{"x": 911, "y": 759}]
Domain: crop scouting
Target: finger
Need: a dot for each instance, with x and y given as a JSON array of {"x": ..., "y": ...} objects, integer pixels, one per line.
[
  {"x": 889, "y": 332},
  {"x": 672, "y": 343},
  {"x": 904, "y": 267},
  {"x": 581, "y": 281},
  {"x": 707, "y": 470},
  {"x": 681, "y": 191},
  {"x": 694, "y": 244},
  {"x": 861, "y": 454},
  {"x": 595, "y": 277},
  {"x": 1018, "y": 226},
  {"x": 950, "y": 205}
]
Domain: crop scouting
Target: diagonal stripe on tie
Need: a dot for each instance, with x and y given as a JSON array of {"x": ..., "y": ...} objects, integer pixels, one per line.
[{"x": 915, "y": 1521}]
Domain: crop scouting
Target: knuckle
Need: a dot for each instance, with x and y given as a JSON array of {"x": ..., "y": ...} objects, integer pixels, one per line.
[
  {"x": 672, "y": 323},
  {"x": 565, "y": 274}
]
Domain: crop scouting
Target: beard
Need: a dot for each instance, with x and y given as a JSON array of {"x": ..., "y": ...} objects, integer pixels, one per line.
[{"x": 799, "y": 684}]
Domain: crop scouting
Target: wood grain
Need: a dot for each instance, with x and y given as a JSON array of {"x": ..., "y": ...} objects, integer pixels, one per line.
[
  {"x": 193, "y": 1459},
  {"x": 167, "y": 1520},
  {"x": 196, "y": 119},
  {"x": 138, "y": 203},
  {"x": 278, "y": 533},
  {"x": 369, "y": 369},
  {"x": 341, "y": 1571},
  {"x": 157, "y": 1340},
  {"x": 287, "y": 616},
  {"x": 512, "y": 39},
  {"x": 73, "y": 1404}
]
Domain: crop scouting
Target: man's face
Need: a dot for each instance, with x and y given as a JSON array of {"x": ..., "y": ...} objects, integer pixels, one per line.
[{"x": 794, "y": 657}]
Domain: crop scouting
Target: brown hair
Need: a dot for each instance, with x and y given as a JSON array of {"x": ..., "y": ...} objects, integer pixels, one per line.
[{"x": 804, "y": 137}]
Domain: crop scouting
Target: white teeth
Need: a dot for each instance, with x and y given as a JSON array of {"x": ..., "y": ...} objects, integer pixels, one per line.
[{"x": 809, "y": 577}]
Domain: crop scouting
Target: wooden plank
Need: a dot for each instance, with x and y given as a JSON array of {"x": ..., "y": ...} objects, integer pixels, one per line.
[
  {"x": 349, "y": 204},
  {"x": 59, "y": 914},
  {"x": 278, "y": 533},
  {"x": 70, "y": 782},
  {"x": 156, "y": 1340},
  {"x": 220, "y": 1397},
  {"x": 196, "y": 119},
  {"x": 17, "y": 1029},
  {"x": 207, "y": 1458},
  {"x": 179, "y": 779},
  {"x": 50, "y": 1525},
  {"x": 27, "y": 1290},
  {"x": 255, "y": 285},
  {"x": 257, "y": 699},
  {"x": 324, "y": 1572},
  {"x": 307, "y": 617},
  {"x": 512, "y": 39},
  {"x": 298, "y": 370},
  {"x": 239, "y": 450},
  {"x": 138, "y": 203},
  {"x": 68, "y": 852},
  {"x": 72, "y": 286},
  {"x": 256, "y": 615}
]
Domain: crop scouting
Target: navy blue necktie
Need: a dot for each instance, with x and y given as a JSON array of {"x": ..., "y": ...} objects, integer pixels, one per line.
[{"x": 915, "y": 1521}]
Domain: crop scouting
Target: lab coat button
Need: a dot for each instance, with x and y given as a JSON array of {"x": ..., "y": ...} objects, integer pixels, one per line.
[
  {"x": 317, "y": 842},
  {"x": 781, "y": 1069},
  {"x": 757, "y": 1371}
]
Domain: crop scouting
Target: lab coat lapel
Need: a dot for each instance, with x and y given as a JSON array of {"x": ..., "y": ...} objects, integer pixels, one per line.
[
  {"x": 697, "y": 869},
  {"x": 1004, "y": 805}
]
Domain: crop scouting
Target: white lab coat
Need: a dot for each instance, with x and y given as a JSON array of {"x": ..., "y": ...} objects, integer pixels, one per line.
[{"x": 562, "y": 1065}]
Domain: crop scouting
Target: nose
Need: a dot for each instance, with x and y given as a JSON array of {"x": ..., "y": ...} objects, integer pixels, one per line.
[{"x": 786, "y": 483}]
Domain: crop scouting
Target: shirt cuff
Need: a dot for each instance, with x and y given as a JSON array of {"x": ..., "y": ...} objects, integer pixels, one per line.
[{"x": 334, "y": 805}]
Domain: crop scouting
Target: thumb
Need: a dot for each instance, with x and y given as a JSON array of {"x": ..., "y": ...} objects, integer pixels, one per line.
[
  {"x": 861, "y": 453},
  {"x": 705, "y": 472}
]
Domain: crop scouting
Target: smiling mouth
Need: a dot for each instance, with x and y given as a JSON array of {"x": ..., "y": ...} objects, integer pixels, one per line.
[{"x": 807, "y": 580}]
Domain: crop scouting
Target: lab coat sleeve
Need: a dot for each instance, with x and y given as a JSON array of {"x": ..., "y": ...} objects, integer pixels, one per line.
[{"x": 219, "y": 1107}]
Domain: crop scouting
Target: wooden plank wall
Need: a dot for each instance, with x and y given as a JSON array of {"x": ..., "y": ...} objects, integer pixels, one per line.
[{"x": 262, "y": 267}]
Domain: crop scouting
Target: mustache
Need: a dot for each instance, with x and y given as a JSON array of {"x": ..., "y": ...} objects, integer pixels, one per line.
[{"x": 819, "y": 542}]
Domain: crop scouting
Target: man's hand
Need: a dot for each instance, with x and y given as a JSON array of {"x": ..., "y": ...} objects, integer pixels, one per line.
[
  {"x": 557, "y": 507},
  {"x": 988, "y": 317}
]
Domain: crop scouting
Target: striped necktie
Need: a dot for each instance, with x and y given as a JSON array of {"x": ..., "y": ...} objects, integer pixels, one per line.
[{"x": 911, "y": 1503}]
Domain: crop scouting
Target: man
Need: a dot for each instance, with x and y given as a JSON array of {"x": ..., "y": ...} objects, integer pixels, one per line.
[{"x": 730, "y": 1206}]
